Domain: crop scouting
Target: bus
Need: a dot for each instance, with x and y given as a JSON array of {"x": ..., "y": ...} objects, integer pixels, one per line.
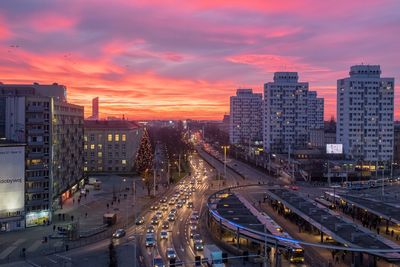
[
  {"x": 294, "y": 253},
  {"x": 359, "y": 185}
]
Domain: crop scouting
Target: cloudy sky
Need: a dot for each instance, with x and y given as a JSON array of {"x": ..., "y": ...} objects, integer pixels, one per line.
[{"x": 179, "y": 59}]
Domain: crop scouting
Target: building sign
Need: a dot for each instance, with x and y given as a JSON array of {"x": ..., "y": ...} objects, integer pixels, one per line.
[
  {"x": 334, "y": 149},
  {"x": 12, "y": 179}
]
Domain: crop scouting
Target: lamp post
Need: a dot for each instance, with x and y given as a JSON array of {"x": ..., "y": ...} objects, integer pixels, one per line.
[{"x": 225, "y": 148}]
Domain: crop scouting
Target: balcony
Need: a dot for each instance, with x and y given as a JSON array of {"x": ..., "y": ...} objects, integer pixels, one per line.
[
  {"x": 36, "y": 167},
  {"x": 35, "y": 155},
  {"x": 35, "y": 202},
  {"x": 36, "y": 131},
  {"x": 35, "y": 109},
  {"x": 35, "y": 121},
  {"x": 35, "y": 143},
  {"x": 36, "y": 190}
]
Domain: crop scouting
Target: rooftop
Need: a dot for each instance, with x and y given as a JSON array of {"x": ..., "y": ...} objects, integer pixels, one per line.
[{"x": 111, "y": 124}]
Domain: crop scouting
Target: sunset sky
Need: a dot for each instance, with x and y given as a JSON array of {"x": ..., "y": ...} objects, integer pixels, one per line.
[{"x": 183, "y": 59}]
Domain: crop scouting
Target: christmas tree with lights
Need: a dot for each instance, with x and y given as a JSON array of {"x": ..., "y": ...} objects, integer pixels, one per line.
[{"x": 144, "y": 159}]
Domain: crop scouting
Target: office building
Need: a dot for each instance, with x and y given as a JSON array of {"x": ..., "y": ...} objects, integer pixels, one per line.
[
  {"x": 111, "y": 145},
  {"x": 245, "y": 125},
  {"x": 290, "y": 111},
  {"x": 12, "y": 186},
  {"x": 52, "y": 128},
  {"x": 365, "y": 114}
]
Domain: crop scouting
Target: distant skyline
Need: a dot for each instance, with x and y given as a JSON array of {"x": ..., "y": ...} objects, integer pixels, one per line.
[{"x": 158, "y": 59}]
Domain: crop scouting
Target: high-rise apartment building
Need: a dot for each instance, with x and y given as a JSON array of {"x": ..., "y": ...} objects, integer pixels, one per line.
[
  {"x": 396, "y": 155},
  {"x": 95, "y": 109},
  {"x": 52, "y": 129},
  {"x": 365, "y": 114},
  {"x": 245, "y": 125},
  {"x": 111, "y": 145},
  {"x": 290, "y": 111}
]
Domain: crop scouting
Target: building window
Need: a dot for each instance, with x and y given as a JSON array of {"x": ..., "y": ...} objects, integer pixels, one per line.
[
  {"x": 117, "y": 137},
  {"x": 99, "y": 154},
  {"x": 109, "y": 137},
  {"x": 85, "y": 169},
  {"x": 100, "y": 168},
  {"x": 123, "y": 161},
  {"x": 92, "y": 137},
  {"x": 85, "y": 138},
  {"x": 99, "y": 146},
  {"x": 85, "y": 147},
  {"x": 123, "y": 137},
  {"x": 92, "y": 146}
]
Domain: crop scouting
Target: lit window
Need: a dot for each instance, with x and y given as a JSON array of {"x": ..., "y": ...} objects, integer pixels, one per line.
[
  {"x": 85, "y": 169},
  {"x": 123, "y": 137},
  {"x": 85, "y": 138},
  {"x": 117, "y": 137},
  {"x": 109, "y": 137},
  {"x": 85, "y": 147},
  {"x": 92, "y": 146},
  {"x": 100, "y": 168},
  {"x": 99, "y": 146},
  {"x": 123, "y": 161},
  {"x": 99, "y": 154}
]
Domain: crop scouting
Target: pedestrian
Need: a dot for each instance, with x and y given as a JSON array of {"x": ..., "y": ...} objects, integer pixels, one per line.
[
  {"x": 79, "y": 200},
  {"x": 337, "y": 259},
  {"x": 86, "y": 214},
  {"x": 72, "y": 217},
  {"x": 108, "y": 205},
  {"x": 377, "y": 230},
  {"x": 73, "y": 201},
  {"x": 397, "y": 237},
  {"x": 392, "y": 233},
  {"x": 54, "y": 228},
  {"x": 343, "y": 256}
]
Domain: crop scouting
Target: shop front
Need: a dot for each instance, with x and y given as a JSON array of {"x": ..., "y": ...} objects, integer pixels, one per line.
[{"x": 36, "y": 218}]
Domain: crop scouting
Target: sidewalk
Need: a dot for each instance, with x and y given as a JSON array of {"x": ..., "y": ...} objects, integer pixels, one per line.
[{"x": 89, "y": 213}]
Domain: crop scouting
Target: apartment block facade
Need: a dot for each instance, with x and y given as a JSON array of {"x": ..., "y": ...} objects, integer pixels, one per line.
[
  {"x": 365, "y": 114},
  {"x": 245, "y": 125},
  {"x": 111, "y": 145},
  {"x": 290, "y": 111}
]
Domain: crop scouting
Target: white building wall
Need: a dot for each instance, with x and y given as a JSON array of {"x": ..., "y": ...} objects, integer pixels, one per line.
[
  {"x": 365, "y": 114},
  {"x": 245, "y": 117}
]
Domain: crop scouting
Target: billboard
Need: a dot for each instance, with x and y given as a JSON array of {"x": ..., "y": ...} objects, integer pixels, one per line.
[
  {"x": 12, "y": 178},
  {"x": 334, "y": 149}
]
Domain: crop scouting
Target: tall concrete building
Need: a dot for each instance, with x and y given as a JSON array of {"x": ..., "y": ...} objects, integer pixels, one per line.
[
  {"x": 111, "y": 145},
  {"x": 290, "y": 111},
  {"x": 52, "y": 129},
  {"x": 396, "y": 156},
  {"x": 365, "y": 114},
  {"x": 95, "y": 109},
  {"x": 245, "y": 125}
]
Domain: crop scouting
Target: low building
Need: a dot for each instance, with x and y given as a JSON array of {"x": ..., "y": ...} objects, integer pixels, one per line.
[
  {"x": 12, "y": 186},
  {"x": 111, "y": 145}
]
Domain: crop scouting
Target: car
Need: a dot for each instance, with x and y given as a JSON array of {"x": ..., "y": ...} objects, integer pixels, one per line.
[
  {"x": 150, "y": 229},
  {"x": 197, "y": 237},
  {"x": 173, "y": 211},
  {"x": 164, "y": 234},
  {"x": 139, "y": 221},
  {"x": 193, "y": 233},
  {"x": 154, "y": 220},
  {"x": 150, "y": 240},
  {"x": 154, "y": 207},
  {"x": 171, "y": 254},
  {"x": 183, "y": 200},
  {"x": 190, "y": 204},
  {"x": 119, "y": 233},
  {"x": 171, "y": 217},
  {"x": 172, "y": 201},
  {"x": 165, "y": 225},
  {"x": 195, "y": 214},
  {"x": 163, "y": 200},
  {"x": 193, "y": 226},
  {"x": 179, "y": 205},
  {"x": 159, "y": 214},
  {"x": 198, "y": 246},
  {"x": 158, "y": 262}
]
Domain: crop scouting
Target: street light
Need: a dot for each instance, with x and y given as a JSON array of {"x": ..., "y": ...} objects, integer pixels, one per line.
[{"x": 225, "y": 148}]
